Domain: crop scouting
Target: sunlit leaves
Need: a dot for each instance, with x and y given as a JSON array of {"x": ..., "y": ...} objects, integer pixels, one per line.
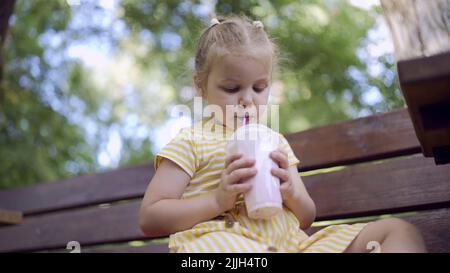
[{"x": 58, "y": 113}]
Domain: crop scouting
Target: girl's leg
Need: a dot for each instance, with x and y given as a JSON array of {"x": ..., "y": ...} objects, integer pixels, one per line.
[{"x": 392, "y": 235}]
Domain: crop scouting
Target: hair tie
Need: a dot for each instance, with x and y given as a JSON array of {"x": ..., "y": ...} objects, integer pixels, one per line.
[
  {"x": 258, "y": 24},
  {"x": 214, "y": 21}
]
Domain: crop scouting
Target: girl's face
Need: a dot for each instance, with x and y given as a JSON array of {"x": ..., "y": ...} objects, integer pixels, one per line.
[{"x": 240, "y": 82}]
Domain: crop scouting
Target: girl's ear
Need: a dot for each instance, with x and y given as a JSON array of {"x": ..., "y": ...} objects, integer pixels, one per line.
[{"x": 197, "y": 84}]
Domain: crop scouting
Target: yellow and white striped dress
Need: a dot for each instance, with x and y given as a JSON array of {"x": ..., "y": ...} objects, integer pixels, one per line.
[{"x": 200, "y": 151}]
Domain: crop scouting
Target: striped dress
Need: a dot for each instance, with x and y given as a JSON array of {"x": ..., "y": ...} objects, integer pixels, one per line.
[{"x": 200, "y": 151}]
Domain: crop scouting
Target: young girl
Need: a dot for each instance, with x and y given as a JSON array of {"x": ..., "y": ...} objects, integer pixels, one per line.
[{"x": 196, "y": 194}]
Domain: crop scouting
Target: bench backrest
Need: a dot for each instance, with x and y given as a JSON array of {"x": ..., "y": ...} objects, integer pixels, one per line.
[{"x": 383, "y": 174}]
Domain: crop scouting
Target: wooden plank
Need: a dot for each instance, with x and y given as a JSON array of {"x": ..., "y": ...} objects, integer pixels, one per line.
[
  {"x": 424, "y": 68},
  {"x": 421, "y": 36},
  {"x": 371, "y": 189},
  {"x": 434, "y": 225},
  {"x": 8, "y": 217},
  {"x": 156, "y": 248},
  {"x": 88, "y": 226},
  {"x": 392, "y": 186},
  {"x": 428, "y": 103},
  {"x": 374, "y": 137},
  {"x": 367, "y": 138},
  {"x": 96, "y": 188}
]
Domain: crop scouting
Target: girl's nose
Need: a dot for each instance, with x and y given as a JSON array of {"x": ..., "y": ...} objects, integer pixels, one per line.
[
  {"x": 245, "y": 104},
  {"x": 246, "y": 100}
]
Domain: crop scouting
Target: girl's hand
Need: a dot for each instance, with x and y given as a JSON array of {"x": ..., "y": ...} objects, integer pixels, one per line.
[
  {"x": 237, "y": 169},
  {"x": 287, "y": 188}
]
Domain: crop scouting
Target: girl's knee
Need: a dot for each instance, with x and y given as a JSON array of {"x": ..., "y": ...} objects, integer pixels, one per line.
[
  {"x": 403, "y": 236},
  {"x": 398, "y": 225}
]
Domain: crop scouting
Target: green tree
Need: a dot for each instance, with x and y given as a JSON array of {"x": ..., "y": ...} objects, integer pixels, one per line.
[
  {"x": 37, "y": 142},
  {"x": 57, "y": 114}
]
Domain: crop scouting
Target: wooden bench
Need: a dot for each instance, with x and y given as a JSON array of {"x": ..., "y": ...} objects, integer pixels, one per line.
[{"x": 382, "y": 172}]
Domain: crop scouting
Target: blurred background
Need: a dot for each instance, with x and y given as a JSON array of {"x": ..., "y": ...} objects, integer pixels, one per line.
[{"x": 88, "y": 85}]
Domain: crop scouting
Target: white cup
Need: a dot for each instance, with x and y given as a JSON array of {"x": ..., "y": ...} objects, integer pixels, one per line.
[{"x": 257, "y": 141}]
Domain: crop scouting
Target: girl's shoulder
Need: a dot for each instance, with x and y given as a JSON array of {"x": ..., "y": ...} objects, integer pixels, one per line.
[{"x": 187, "y": 147}]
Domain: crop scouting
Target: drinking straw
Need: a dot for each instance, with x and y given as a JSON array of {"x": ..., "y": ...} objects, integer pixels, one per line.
[{"x": 246, "y": 119}]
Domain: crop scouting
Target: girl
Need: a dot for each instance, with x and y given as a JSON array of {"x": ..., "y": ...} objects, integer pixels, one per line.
[{"x": 196, "y": 194}]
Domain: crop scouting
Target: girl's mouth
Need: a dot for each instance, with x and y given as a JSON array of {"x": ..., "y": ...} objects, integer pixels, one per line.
[
  {"x": 245, "y": 116},
  {"x": 245, "y": 119}
]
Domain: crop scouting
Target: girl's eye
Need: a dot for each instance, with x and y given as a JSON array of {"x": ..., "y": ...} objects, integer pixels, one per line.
[
  {"x": 236, "y": 89},
  {"x": 259, "y": 89},
  {"x": 231, "y": 90}
]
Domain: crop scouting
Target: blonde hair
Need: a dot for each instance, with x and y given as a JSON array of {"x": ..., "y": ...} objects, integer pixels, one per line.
[{"x": 233, "y": 33}]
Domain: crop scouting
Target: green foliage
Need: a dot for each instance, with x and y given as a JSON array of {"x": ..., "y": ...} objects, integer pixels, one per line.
[
  {"x": 57, "y": 114},
  {"x": 37, "y": 143}
]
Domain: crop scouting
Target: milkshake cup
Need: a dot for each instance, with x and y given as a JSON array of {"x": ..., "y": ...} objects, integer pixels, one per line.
[{"x": 257, "y": 141}]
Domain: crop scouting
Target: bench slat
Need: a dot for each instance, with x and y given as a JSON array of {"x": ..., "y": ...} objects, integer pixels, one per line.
[
  {"x": 364, "y": 139},
  {"x": 424, "y": 68},
  {"x": 398, "y": 185},
  {"x": 156, "y": 248},
  {"x": 87, "y": 226},
  {"x": 373, "y": 137},
  {"x": 8, "y": 217},
  {"x": 395, "y": 185},
  {"x": 433, "y": 225},
  {"x": 96, "y": 188}
]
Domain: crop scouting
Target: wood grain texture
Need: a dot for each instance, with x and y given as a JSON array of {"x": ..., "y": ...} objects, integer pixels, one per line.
[
  {"x": 425, "y": 84},
  {"x": 88, "y": 226},
  {"x": 393, "y": 186},
  {"x": 424, "y": 69},
  {"x": 434, "y": 225},
  {"x": 374, "y": 137},
  {"x": 9, "y": 217},
  {"x": 368, "y": 138},
  {"x": 151, "y": 248},
  {"x": 124, "y": 183}
]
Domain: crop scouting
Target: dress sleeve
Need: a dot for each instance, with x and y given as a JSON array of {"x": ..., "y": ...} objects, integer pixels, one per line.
[
  {"x": 293, "y": 160},
  {"x": 180, "y": 150}
]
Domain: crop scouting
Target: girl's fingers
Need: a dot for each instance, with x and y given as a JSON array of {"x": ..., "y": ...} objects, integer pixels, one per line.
[
  {"x": 240, "y": 163},
  {"x": 281, "y": 173},
  {"x": 232, "y": 158},
  {"x": 240, "y": 188},
  {"x": 240, "y": 174},
  {"x": 281, "y": 158}
]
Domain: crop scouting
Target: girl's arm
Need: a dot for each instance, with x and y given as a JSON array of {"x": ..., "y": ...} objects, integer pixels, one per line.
[
  {"x": 301, "y": 203},
  {"x": 162, "y": 211}
]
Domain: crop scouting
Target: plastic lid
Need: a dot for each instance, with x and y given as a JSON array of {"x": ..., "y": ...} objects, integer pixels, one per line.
[{"x": 256, "y": 131}]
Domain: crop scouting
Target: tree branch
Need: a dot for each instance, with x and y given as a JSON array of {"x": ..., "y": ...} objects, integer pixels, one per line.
[{"x": 6, "y": 10}]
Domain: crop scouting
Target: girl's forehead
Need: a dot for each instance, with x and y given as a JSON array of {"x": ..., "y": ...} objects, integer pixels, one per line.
[{"x": 235, "y": 65}]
